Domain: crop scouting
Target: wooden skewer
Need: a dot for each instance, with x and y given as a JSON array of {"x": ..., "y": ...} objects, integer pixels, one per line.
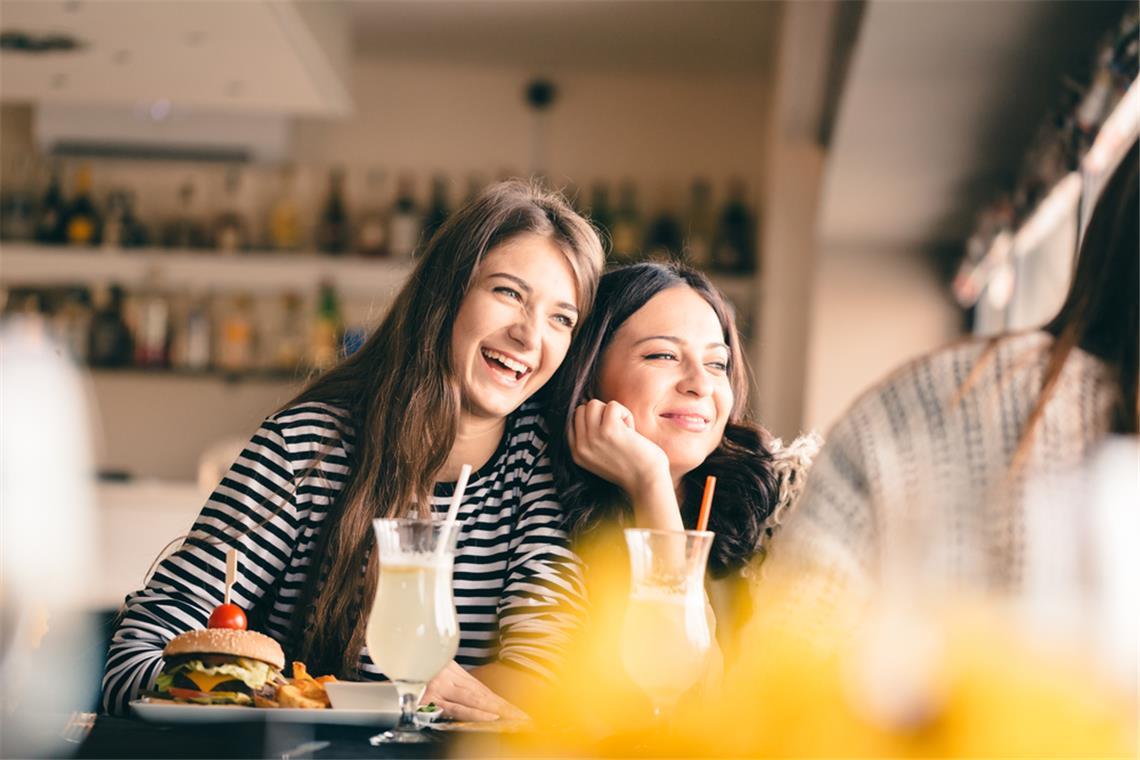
[{"x": 231, "y": 572}]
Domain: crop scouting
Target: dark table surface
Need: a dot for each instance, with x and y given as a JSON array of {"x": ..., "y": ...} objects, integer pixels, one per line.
[{"x": 134, "y": 738}]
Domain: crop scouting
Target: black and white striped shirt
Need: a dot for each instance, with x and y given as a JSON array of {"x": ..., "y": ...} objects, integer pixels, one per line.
[{"x": 518, "y": 586}]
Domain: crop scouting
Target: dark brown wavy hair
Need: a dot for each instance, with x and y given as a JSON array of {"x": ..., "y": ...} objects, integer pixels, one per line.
[
  {"x": 747, "y": 486},
  {"x": 1101, "y": 312},
  {"x": 403, "y": 404}
]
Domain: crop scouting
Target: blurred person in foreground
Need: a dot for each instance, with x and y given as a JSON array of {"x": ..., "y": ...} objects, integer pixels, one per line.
[{"x": 928, "y": 470}]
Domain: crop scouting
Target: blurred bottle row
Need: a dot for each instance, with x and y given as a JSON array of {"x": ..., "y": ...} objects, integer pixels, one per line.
[
  {"x": 157, "y": 328},
  {"x": 57, "y": 204}
]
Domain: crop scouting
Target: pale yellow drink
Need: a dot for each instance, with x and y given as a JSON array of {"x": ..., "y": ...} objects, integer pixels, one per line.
[
  {"x": 664, "y": 642},
  {"x": 412, "y": 630}
]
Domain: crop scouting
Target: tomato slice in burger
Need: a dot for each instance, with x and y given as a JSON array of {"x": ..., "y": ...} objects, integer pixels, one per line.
[{"x": 188, "y": 694}]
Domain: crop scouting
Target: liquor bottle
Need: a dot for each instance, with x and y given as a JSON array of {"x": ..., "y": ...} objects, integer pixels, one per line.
[
  {"x": 438, "y": 211},
  {"x": 185, "y": 230},
  {"x": 284, "y": 216},
  {"x": 600, "y": 210},
  {"x": 198, "y": 334},
  {"x": 663, "y": 239},
  {"x": 701, "y": 229},
  {"x": 734, "y": 247},
  {"x": 405, "y": 223},
  {"x": 290, "y": 343},
  {"x": 372, "y": 227},
  {"x": 627, "y": 226},
  {"x": 135, "y": 232},
  {"x": 49, "y": 220},
  {"x": 113, "y": 224},
  {"x": 152, "y": 336},
  {"x": 192, "y": 342},
  {"x": 230, "y": 231},
  {"x": 333, "y": 233},
  {"x": 82, "y": 221},
  {"x": 328, "y": 329},
  {"x": 17, "y": 210},
  {"x": 111, "y": 344},
  {"x": 121, "y": 228},
  {"x": 71, "y": 323},
  {"x": 237, "y": 337}
]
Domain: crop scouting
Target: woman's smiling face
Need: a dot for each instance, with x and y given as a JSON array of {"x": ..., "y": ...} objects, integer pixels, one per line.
[
  {"x": 669, "y": 365},
  {"x": 514, "y": 325}
]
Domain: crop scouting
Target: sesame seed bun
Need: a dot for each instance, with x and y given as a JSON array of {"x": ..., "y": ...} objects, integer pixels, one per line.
[{"x": 251, "y": 644}]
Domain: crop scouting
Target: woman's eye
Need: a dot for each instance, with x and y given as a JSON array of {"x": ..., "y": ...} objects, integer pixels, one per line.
[
  {"x": 509, "y": 292},
  {"x": 718, "y": 366},
  {"x": 564, "y": 320},
  {"x": 661, "y": 355}
]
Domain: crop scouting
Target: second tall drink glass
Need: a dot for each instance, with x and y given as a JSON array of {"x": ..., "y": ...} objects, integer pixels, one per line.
[{"x": 412, "y": 629}]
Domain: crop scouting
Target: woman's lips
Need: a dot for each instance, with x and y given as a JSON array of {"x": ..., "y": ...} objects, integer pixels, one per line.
[
  {"x": 503, "y": 368},
  {"x": 690, "y": 421}
]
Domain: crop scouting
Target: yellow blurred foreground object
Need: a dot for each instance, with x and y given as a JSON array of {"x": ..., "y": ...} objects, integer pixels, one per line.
[{"x": 962, "y": 681}]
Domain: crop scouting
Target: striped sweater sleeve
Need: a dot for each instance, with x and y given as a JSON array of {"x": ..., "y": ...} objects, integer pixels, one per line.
[
  {"x": 543, "y": 600},
  {"x": 251, "y": 509}
]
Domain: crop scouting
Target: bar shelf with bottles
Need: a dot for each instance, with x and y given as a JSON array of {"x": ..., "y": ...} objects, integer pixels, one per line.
[
  {"x": 154, "y": 330},
  {"x": 198, "y": 291}
]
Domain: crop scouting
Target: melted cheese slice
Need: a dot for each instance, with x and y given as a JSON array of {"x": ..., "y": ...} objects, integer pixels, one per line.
[{"x": 206, "y": 682}]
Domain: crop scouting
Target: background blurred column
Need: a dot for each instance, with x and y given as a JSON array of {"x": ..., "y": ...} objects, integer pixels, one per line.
[{"x": 814, "y": 46}]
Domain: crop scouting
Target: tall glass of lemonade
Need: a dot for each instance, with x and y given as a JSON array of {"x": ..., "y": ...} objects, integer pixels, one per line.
[
  {"x": 665, "y": 638},
  {"x": 412, "y": 629}
]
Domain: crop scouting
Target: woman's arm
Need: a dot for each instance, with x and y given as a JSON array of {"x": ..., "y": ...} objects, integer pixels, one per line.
[
  {"x": 543, "y": 602},
  {"x": 187, "y": 585}
]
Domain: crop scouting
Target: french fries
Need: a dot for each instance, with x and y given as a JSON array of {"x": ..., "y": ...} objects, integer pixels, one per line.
[{"x": 301, "y": 691}]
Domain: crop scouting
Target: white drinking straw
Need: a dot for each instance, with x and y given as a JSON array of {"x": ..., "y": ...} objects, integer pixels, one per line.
[{"x": 453, "y": 509}]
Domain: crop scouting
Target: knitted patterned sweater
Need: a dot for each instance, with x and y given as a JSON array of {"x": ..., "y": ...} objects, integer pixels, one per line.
[{"x": 916, "y": 483}]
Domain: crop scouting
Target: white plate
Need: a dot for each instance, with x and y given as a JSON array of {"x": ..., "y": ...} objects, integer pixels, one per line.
[{"x": 161, "y": 711}]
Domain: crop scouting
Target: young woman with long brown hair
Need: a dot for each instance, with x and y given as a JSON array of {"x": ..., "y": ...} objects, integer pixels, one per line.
[{"x": 446, "y": 379}]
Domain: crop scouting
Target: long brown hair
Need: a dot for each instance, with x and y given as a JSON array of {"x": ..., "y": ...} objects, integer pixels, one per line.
[
  {"x": 1100, "y": 314},
  {"x": 403, "y": 403},
  {"x": 747, "y": 484}
]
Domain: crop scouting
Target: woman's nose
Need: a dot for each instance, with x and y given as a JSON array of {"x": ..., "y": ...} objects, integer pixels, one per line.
[
  {"x": 696, "y": 382},
  {"x": 525, "y": 330}
]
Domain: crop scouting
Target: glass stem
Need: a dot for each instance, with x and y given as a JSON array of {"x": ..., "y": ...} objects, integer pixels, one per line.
[{"x": 409, "y": 696}]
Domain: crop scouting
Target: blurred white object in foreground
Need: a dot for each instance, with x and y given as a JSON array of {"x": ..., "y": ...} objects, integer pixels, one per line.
[
  {"x": 46, "y": 532},
  {"x": 1082, "y": 569}
]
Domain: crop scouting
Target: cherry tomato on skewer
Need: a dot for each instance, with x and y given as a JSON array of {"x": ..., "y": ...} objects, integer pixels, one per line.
[{"x": 227, "y": 616}]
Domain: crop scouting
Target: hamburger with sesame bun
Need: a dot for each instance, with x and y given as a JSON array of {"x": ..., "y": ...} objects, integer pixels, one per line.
[{"x": 219, "y": 666}]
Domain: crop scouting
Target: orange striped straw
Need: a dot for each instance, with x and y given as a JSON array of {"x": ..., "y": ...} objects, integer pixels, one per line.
[{"x": 706, "y": 503}]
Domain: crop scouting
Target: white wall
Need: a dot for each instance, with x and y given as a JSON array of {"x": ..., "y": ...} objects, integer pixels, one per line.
[
  {"x": 873, "y": 309},
  {"x": 461, "y": 119}
]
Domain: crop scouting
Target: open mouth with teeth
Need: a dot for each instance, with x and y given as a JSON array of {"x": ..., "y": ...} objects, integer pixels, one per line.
[{"x": 504, "y": 365}]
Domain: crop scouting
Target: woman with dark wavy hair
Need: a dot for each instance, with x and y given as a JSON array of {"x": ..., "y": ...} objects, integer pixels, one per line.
[{"x": 652, "y": 399}]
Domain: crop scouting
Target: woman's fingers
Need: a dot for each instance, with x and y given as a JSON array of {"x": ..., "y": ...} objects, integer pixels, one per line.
[
  {"x": 593, "y": 411},
  {"x": 616, "y": 416},
  {"x": 456, "y": 711},
  {"x": 462, "y": 696},
  {"x": 476, "y": 695}
]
